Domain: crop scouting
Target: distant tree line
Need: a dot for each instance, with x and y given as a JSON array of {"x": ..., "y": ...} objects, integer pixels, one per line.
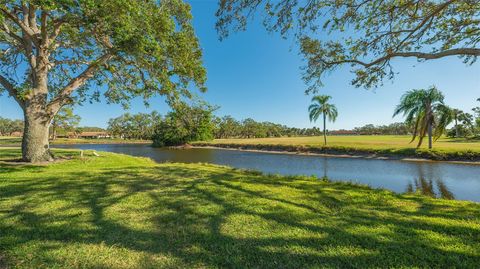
[
  {"x": 134, "y": 126},
  {"x": 228, "y": 127},
  {"x": 8, "y": 126},
  {"x": 197, "y": 122},
  {"x": 65, "y": 121},
  {"x": 89, "y": 129},
  {"x": 187, "y": 123},
  {"x": 397, "y": 128},
  {"x": 465, "y": 124}
]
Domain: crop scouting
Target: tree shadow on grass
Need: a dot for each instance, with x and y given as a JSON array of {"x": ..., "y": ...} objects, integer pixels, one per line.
[
  {"x": 12, "y": 168},
  {"x": 211, "y": 218}
]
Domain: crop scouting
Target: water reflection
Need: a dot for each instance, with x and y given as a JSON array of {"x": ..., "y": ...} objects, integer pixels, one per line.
[
  {"x": 436, "y": 179},
  {"x": 426, "y": 187}
]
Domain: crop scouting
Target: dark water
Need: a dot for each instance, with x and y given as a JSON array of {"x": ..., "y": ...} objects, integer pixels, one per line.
[{"x": 447, "y": 180}]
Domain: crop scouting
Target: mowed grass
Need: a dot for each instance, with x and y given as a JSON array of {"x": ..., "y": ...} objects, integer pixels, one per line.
[
  {"x": 5, "y": 140},
  {"x": 117, "y": 211},
  {"x": 10, "y": 140},
  {"x": 362, "y": 142}
]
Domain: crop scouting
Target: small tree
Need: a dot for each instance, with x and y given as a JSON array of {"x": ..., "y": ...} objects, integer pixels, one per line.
[
  {"x": 65, "y": 120},
  {"x": 456, "y": 113},
  {"x": 319, "y": 107},
  {"x": 468, "y": 121},
  {"x": 476, "y": 111},
  {"x": 185, "y": 124}
]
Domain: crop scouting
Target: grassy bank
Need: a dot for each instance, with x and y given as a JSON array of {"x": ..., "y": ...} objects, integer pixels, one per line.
[
  {"x": 5, "y": 140},
  {"x": 396, "y": 146},
  {"x": 116, "y": 211}
]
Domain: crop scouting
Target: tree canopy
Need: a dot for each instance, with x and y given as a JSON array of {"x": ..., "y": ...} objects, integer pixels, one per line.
[
  {"x": 364, "y": 34},
  {"x": 136, "y": 126},
  {"x": 186, "y": 123},
  {"x": 54, "y": 53},
  {"x": 136, "y": 48}
]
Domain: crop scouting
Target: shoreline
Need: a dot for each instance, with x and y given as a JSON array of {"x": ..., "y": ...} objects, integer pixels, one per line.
[
  {"x": 357, "y": 154},
  {"x": 296, "y": 150}
]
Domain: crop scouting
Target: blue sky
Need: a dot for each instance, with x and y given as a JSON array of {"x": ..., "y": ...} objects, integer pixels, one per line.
[{"x": 257, "y": 74}]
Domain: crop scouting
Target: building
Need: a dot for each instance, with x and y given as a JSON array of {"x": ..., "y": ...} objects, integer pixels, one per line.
[{"x": 89, "y": 135}]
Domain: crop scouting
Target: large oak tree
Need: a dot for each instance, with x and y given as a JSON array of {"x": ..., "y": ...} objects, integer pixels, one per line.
[
  {"x": 364, "y": 34},
  {"x": 55, "y": 52}
]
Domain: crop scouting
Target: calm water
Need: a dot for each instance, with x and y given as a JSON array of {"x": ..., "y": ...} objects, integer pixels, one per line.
[{"x": 452, "y": 181}]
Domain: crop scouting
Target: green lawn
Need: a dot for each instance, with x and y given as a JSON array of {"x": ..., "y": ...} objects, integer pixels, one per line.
[
  {"x": 445, "y": 149},
  {"x": 361, "y": 142},
  {"x": 10, "y": 140},
  {"x": 6, "y": 140},
  {"x": 117, "y": 211}
]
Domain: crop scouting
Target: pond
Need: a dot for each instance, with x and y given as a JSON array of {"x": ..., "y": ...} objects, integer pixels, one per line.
[{"x": 438, "y": 179}]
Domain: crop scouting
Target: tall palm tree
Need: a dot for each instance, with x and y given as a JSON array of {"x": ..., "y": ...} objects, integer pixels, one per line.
[
  {"x": 426, "y": 111},
  {"x": 319, "y": 107},
  {"x": 456, "y": 113}
]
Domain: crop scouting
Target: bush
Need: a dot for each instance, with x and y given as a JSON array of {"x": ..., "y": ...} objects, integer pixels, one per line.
[
  {"x": 462, "y": 131},
  {"x": 185, "y": 124}
]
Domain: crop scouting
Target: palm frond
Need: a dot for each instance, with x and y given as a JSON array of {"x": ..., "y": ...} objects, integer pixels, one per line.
[
  {"x": 415, "y": 130},
  {"x": 321, "y": 106},
  {"x": 445, "y": 116}
]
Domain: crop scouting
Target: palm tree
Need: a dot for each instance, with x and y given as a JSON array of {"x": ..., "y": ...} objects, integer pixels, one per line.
[
  {"x": 456, "y": 113},
  {"x": 426, "y": 111},
  {"x": 319, "y": 107}
]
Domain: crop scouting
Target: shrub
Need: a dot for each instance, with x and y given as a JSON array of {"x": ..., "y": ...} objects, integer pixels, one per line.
[{"x": 185, "y": 124}]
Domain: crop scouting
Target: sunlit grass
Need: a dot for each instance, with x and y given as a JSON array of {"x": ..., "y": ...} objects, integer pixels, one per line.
[
  {"x": 5, "y": 140},
  {"x": 362, "y": 142},
  {"x": 117, "y": 211},
  {"x": 387, "y": 146}
]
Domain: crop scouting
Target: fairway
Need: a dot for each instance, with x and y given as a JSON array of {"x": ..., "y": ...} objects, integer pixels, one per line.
[
  {"x": 117, "y": 211},
  {"x": 8, "y": 140},
  {"x": 361, "y": 142}
]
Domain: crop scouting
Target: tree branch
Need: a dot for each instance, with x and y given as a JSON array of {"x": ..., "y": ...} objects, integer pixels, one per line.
[
  {"x": 13, "y": 35},
  {"x": 12, "y": 91},
  {"x": 43, "y": 28},
  {"x": 32, "y": 17},
  {"x": 21, "y": 24},
  {"x": 427, "y": 18},
  {"x": 57, "y": 25},
  {"x": 77, "y": 82},
  {"x": 420, "y": 55}
]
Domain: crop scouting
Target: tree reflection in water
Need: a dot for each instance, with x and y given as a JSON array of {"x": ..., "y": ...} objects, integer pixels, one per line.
[{"x": 426, "y": 187}]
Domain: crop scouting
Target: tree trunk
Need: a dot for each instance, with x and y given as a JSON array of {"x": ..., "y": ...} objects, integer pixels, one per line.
[
  {"x": 457, "y": 131},
  {"x": 430, "y": 135},
  {"x": 324, "y": 129},
  {"x": 54, "y": 130},
  {"x": 35, "y": 147}
]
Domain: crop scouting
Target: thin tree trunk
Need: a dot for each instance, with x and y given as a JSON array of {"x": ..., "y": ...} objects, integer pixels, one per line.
[
  {"x": 35, "y": 147},
  {"x": 430, "y": 135},
  {"x": 54, "y": 130},
  {"x": 457, "y": 131},
  {"x": 324, "y": 129}
]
